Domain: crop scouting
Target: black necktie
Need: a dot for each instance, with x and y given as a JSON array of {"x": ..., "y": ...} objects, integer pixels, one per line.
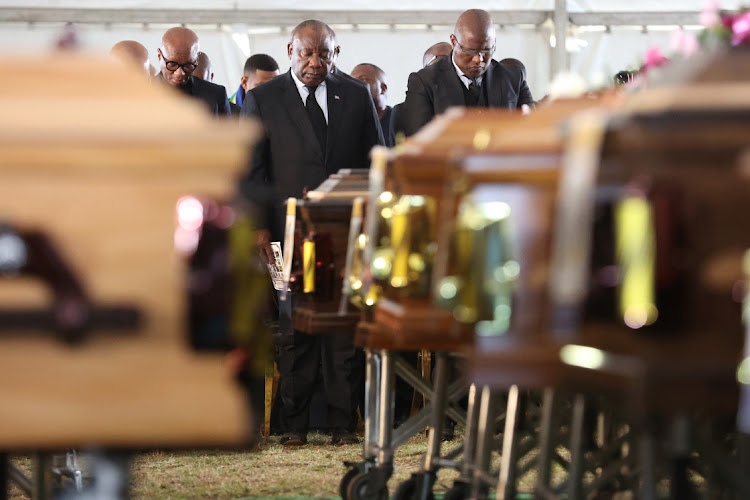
[
  {"x": 474, "y": 91},
  {"x": 317, "y": 118}
]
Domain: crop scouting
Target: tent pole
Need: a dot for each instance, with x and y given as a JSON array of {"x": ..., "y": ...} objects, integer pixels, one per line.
[{"x": 560, "y": 55}]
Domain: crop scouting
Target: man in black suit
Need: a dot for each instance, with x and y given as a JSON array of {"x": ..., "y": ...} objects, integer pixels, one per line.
[
  {"x": 377, "y": 84},
  {"x": 178, "y": 58},
  {"x": 205, "y": 71},
  {"x": 470, "y": 77},
  {"x": 315, "y": 123},
  {"x": 432, "y": 55}
]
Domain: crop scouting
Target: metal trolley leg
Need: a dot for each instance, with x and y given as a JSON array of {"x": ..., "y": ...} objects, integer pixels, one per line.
[
  {"x": 485, "y": 442},
  {"x": 372, "y": 397},
  {"x": 575, "y": 484},
  {"x": 547, "y": 435},
  {"x": 438, "y": 411},
  {"x": 385, "y": 408},
  {"x": 506, "y": 487}
]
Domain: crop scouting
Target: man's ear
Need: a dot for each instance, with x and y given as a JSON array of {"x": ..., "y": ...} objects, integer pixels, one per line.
[
  {"x": 243, "y": 82},
  {"x": 212, "y": 77},
  {"x": 158, "y": 54},
  {"x": 289, "y": 49},
  {"x": 453, "y": 41},
  {"x": 383, "y": 88}
]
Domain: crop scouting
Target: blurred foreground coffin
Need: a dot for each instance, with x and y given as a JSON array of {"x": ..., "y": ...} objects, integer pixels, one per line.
[{"x": 97, "y": 165}]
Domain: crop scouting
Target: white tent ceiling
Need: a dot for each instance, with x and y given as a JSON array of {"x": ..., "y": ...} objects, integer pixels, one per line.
[
  {"x": 375, "y": 5},
  {"x": 390, "y": 33}
]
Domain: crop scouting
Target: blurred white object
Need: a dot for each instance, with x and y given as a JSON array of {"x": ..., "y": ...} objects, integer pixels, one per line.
[{"x": 567, "y": 85}]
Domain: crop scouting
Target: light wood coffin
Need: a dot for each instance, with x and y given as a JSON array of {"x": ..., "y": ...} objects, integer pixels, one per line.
[{"x": 96, "y": 158}]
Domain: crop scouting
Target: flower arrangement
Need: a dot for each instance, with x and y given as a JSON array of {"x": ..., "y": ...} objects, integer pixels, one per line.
[{"x": 720, "y": 30}]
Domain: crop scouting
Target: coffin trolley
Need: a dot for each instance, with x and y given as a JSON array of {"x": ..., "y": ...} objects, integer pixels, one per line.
[
  {"x": 491, "y": 278},
  {"x": 416, "y": 196},
  {"x": 658, "y": 345}
]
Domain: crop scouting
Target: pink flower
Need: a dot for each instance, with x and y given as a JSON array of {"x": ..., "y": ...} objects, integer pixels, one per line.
[
  {"x": 727, "y": 20},
  {"x": 741, "y": 29},
  {"x": 684, "y": 43},
  {"x": 654, "y": 58},
  {"x": 710, "y": 15}
]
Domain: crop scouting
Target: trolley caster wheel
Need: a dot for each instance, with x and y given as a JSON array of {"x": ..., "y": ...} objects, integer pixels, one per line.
[
  {"x": 344, "y": 484},
  {"x": 359, "y": 489},
  {"x": 408, "y": 490},
  {"x": 405, "y": 490},
  {"x": 456, "y": 492}
]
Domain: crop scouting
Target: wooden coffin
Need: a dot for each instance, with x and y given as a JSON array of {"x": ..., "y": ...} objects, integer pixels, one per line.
[
  {"x": 684, "y": 147},
  {"x": 324, "y": 216},
  {"x": 96, "y": 162}
]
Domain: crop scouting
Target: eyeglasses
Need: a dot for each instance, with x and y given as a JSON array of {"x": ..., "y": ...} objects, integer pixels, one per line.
[
  {"x": 485, "y": 53},
  {"x": 187, "y": 67}
]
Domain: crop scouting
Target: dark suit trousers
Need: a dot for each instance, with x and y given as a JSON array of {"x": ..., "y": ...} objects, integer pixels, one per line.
[{"x": 302, "y": 357}]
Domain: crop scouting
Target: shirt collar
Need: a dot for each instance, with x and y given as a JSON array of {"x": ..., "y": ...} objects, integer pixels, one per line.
[
  {"x": 464, "y": 79},
  {"x": 301, "y": 86}
]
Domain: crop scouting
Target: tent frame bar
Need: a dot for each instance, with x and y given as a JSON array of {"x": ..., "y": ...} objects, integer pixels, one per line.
[{"x": 288, "y": 18}]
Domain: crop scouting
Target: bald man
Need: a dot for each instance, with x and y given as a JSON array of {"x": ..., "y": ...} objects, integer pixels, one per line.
[
  {"x": 432, "y": 55},
  {"x": 204, "y": 69},
  {"x": 469, "y": 77},
  {"x": 133, "y": 54},
  {"x": 178, "y": 59},
  {"x": 377, "y": 83},
  {"x": 315, "y": 124},
  {"x": 439, "y": 51}
]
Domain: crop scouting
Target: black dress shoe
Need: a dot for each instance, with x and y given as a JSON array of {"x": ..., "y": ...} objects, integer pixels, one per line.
[
  {"x": 293, "y": 439},
  {"x": 340, "y": 438}
]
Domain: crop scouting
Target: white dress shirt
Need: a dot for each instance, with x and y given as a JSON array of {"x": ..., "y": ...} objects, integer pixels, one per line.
[
  {"x": 321, "y": 94},
  {"x": 465, "y": 79}
]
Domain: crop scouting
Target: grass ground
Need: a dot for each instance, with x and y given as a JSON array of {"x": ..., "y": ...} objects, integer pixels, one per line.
[{"x": 271, "y": 471}]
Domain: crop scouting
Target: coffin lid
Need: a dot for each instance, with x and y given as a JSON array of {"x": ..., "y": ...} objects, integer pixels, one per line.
[
  {"x": 71, "y": 113},
  {"x": 706, "y": 82}
]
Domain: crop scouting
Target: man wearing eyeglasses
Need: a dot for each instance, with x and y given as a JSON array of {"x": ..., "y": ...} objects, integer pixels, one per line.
[
  {"x": 178, "y": 58},
  {"x": 469, "y": 77}
]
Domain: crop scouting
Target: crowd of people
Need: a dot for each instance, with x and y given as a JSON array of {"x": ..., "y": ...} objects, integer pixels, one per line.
[{"x": 317, "y": 120}]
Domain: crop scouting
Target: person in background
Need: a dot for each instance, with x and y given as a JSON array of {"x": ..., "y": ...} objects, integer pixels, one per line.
[
  {"x": 435, "y": 53},
  {"x": 377, "y": 83},
  {"x": 132, "y": 53},
  {"x": 515, "y": 63},
  {"x": 204, "y": 69},
  {"x": 469, "y": 77},
  {"x": 178, "y": 59},
  {"x": 315, "y": 124},
  {"x": 259, "y": 68}
]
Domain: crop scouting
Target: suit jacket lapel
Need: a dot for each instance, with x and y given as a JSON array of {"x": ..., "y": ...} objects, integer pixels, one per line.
[
  {"x": 494, "y": 85},
  {"x": 296, "y": 109},
  {"x": 335, "y": 107},
  {"x": 450, "y": 88}
]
